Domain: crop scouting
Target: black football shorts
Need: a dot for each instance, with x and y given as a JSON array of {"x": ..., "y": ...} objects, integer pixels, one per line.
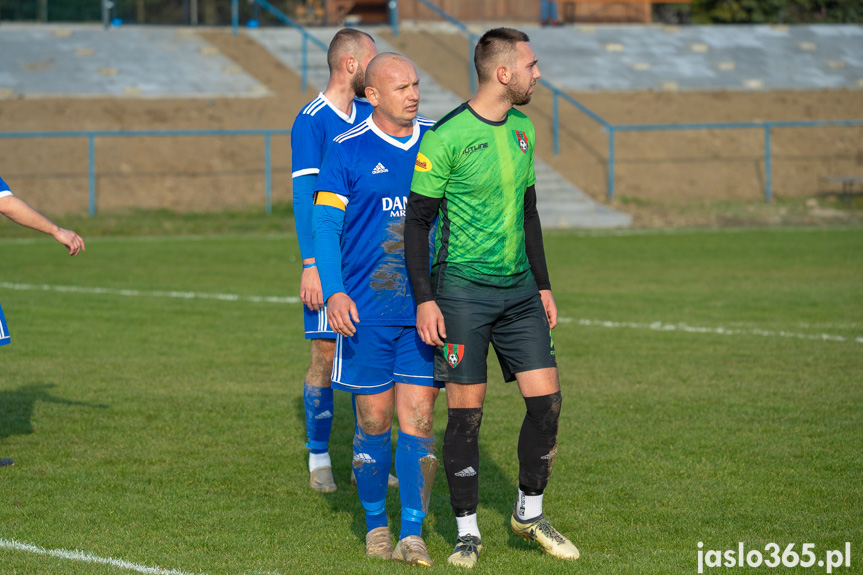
[{"x": 517, "y": 328}]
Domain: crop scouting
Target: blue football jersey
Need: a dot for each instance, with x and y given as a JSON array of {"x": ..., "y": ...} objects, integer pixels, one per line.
[
  {"x": 371, "y": 174},
  {"x": 4, "y": 188},
  {"x": 315, "y": 127}
]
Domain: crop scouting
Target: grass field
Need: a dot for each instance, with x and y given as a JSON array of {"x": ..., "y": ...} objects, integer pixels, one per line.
[{"x": 712, "y": 383}]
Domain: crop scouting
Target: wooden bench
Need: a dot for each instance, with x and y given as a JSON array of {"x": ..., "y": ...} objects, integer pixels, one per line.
[
  {"x": 605, "y": 10},
  {"x": 847, "y": 194},
  {"x": 354, "y": 12}
]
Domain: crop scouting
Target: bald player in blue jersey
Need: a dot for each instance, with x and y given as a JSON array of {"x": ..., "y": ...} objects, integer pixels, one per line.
[
  {"x": 21, "y": 213},
  {"x": 359, "y": 220},
  {"x": 336, "y": 109}
]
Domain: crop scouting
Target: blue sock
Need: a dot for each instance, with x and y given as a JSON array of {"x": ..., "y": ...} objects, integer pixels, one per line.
[
  {"x": 416, "y": 465},
  {"x": 372, "y": 460},
  {"x": 319, "y": 417}
]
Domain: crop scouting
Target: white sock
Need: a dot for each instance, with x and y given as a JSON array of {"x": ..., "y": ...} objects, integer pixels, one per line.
[
  {"x": 467, "y": 525},
  {"x": 319, "y": 460},
  {"x": 529, "y": 506}
]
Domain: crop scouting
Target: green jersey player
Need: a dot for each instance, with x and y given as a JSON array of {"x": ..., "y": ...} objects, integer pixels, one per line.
[{"x": 488, "y": 284}]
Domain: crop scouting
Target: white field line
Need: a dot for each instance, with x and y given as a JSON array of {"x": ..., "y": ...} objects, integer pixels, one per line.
[
  {"x": 653, "y": 326},
  {"x": 143, "y": 293},
  {"x": 686, "y": 328},
  {"x": 90, "y": 558}
]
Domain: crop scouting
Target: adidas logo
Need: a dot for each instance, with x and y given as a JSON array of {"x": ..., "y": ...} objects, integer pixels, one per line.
[
  {"x": 364, "y": 457},
  {"x": 379, "y": 169},
  {"x": 325, "y": 415},
  {"x": 548, "y": 456},
  {"x": 466, "y": 472}
]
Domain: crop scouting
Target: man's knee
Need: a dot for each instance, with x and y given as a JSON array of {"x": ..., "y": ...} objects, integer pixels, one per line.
[
  {"x": 544, "y": 411},
  {"x": 416, "y": 409},
  {"x": 374, "y": 413},
  {"x": 538, "y": 382}
]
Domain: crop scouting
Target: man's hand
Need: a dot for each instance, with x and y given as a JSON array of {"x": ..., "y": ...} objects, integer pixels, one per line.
[
  {"x": 340, "y": 310},
  {"x": 550, "y": 307},
  {"x": 71, "y": 240},
  {"x": 430, "y": 324},
  {"x": 310, "y": 289}
]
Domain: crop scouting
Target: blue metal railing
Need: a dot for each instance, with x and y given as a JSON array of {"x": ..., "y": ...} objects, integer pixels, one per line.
[
  {"x": 612, "y": 129},
  {"x": 472, "y": 38},
  {"x": 91, "y": 136},
  {"x": 766, "y": 126},
  {"x": 235, "y": 22}
]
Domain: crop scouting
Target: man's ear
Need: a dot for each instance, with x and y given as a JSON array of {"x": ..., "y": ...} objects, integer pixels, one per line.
[
  {"x": 351, "y": 65},
  {"x": 372, "y": 96},
  {"x": 503, "y": 74}
]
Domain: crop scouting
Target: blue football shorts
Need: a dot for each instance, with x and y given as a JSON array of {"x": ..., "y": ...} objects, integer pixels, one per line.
[
  {"x": 316, "y": 324},
  {"x": 377, "y": 357},
  {"x": 4, "y": 331}
]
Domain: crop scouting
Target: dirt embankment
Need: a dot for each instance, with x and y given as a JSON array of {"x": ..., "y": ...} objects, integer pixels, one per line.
[
  {"x": 662, "y": 178},
  {"x": 682, "y": 177}
]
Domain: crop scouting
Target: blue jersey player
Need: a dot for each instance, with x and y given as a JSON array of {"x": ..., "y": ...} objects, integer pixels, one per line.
[
  {"x": 359, "y": 217},
  {"x": 335, "y": 110},
  {"x": 20, "y": 212}
]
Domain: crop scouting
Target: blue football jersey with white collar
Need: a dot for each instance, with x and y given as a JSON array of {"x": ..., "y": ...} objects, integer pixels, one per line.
[{"x": 371, "y": 174}]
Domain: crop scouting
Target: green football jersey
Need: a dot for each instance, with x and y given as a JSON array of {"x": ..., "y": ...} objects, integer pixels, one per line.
[{"x": 481, "y": 170}]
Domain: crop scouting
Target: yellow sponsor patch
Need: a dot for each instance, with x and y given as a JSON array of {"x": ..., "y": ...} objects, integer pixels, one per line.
[{"x": 423, "y": 164}]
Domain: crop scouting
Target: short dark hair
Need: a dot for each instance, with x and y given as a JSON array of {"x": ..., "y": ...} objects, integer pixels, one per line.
[
  {"x": 496, "y": 47},
  {"x": 346, "y": 41}
]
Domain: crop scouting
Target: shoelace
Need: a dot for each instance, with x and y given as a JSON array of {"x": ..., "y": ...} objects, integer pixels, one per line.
[
  {"x": 466, "y": 544},
  {"x": 549, "y": 531}
]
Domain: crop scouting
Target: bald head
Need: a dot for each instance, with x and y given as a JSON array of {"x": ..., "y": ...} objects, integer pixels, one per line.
[
  {"x": 392, "y": 88},
  {"x": 385, "y": 65}
]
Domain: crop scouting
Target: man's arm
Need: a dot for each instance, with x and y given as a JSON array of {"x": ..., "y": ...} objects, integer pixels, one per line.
[
  {"x": 535, "y": 250},
  {"x": 310, "y": 282},
  {"x": 21, "y": 213},
  {"x": 329, "y": 221},
  {"x": 307, "y": 143},
  {"x": 419, "y": 215}
]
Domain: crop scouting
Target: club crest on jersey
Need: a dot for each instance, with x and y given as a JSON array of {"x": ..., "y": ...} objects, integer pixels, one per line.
[
  {"x": 454, "y": 353},
  {"x": 423, "y": 164},
  {"x": 521, "y": 140}
]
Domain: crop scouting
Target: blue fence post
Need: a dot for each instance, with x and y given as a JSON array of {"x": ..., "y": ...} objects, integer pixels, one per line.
[
  {"x": 610, "y": 163},
  {"x": 768, "y": 192},
  {"x": 555, "y": 127},
  {"x": 268, "y": 170},
  {"x": 235, "y": 16},
  {"x": 305, "y": 61},
  {"x": 91, "y": 148},
  {"x": 393, "y": 6}
]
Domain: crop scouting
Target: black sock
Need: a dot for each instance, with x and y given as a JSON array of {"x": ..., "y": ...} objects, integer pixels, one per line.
[
  {"x": 461, "y": 458},
  {"x": 537, "y": 443}
]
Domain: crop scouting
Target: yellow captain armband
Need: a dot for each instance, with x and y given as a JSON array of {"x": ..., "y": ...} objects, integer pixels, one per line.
[{"x": 330, "y": 199}]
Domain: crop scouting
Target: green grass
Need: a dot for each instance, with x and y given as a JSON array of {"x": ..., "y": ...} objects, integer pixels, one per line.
[{"x": 169, "y": 432}]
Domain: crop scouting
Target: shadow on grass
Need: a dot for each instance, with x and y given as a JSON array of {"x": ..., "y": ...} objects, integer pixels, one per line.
[{"x": 16, "y": 407}]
